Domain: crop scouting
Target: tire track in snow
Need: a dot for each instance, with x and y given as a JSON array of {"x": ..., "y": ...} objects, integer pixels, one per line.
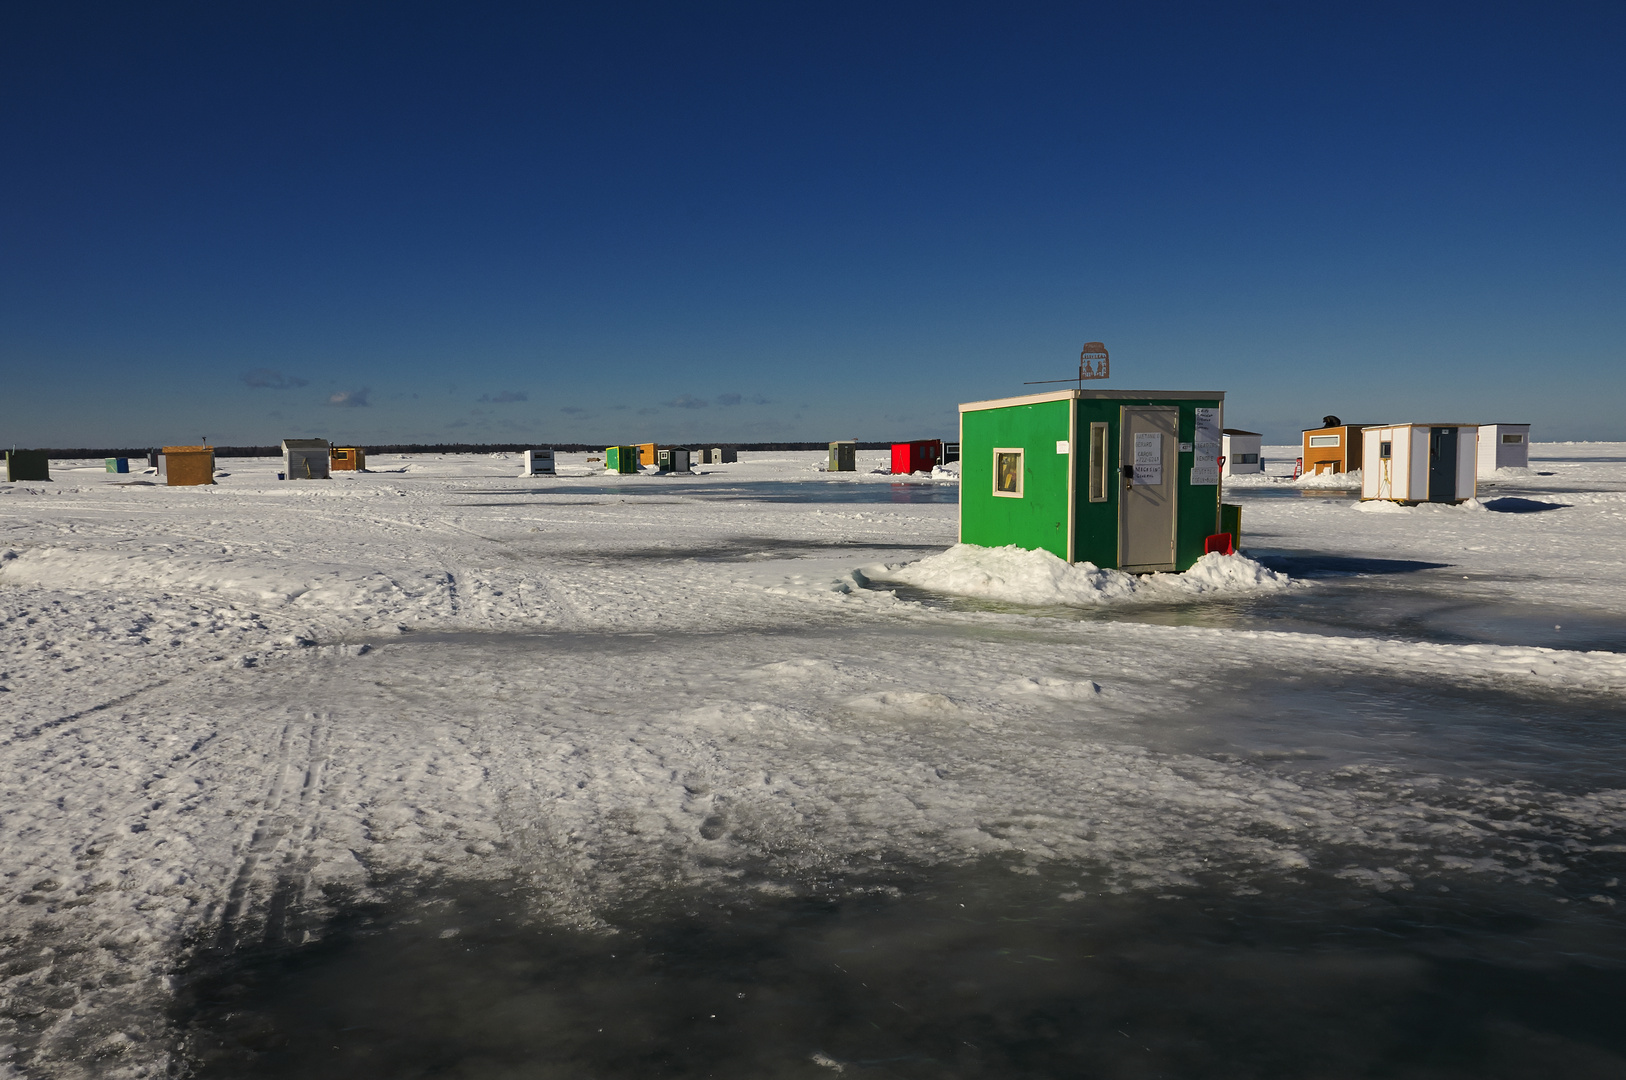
[
  {"x": 296, "y": 781},
  {"x": 293, "y": 877}
]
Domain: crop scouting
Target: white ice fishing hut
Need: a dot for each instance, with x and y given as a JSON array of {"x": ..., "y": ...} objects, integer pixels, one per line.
[
  {"x": 305, "y": 459},
  {"x": 1242, "y": 450},
  {"x": 1503, "y": 446},
  {"x": 538, "y": 463},
  {"x": 1416, "y": 463}
]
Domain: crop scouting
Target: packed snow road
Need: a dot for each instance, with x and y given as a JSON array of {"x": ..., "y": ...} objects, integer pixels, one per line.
[{"x": 232, "y": 715}]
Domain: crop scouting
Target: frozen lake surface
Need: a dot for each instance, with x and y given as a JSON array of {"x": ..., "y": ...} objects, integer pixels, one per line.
[{"x": 440, "y": 771}]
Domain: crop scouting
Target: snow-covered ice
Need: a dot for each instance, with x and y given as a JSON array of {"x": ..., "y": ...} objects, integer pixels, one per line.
[{"x": 232, "y": 710}]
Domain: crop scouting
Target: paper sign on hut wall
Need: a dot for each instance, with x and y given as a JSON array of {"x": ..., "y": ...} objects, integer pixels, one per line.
[{"x": 1205, "y": 451}]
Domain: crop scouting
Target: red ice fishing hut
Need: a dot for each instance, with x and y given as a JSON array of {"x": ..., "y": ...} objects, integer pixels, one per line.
[{"x": 922, "y": 455}]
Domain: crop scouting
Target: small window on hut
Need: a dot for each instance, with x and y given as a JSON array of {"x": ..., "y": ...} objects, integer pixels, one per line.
[
  {"x": 1247, "y": 459},
  {"x": 341, "y": 455},
  {"x": 1008, "y": 472},
  {"x": 1386, "y": 449},
  {"x": 1323, "y": 440},
  {"x": 1513, "y": 438},
  {"x": 1098, "y": 463}
]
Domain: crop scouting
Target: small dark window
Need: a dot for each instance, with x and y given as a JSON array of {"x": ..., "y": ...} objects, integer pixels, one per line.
[
  {"x": 1383, "y": 449},
  {"x": 1247, "y": 459}
]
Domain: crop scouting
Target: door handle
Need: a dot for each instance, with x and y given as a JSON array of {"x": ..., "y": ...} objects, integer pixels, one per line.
[{"x": 1129, "y": 475}]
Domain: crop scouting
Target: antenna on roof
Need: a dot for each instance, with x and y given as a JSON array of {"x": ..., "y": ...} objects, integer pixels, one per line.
[{"x": 1092, "y": 364}]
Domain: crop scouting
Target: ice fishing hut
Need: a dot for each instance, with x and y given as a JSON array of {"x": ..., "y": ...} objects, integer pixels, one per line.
[
  {"x": 726, "y": 455},
  {"x": 188, "y": 466},
  {"x": 118, "y": 464},
  {"x": 1126, "y": 479},
  {"x": 1503, "y": 446},
  {"x": 843, "y": 456},
  {"x": 538, "y": 463},
  {"x": 1241, "y": 451},
  {"x": 647, "y": 452},
  {"x": 347, "y": 459},
  {"x": 921, "y": 455},
  {"x": 1333, "y": 447},
  {"x": 621, "y": 459},
  {"x": 28, "y": 465},
  {"x": 306, "y": 459},
  {"x": 1414, "y": 463},
  {"x": 672, "y": 459}
]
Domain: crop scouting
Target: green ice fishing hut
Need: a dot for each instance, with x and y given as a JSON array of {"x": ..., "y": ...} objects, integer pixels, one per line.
[{"x": 1124, "y": 479}]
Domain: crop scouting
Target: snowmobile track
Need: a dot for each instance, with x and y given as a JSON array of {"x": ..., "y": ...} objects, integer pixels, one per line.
[{"x": 288, "y": 822}]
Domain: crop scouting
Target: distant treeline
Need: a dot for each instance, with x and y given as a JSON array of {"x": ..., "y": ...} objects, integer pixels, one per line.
[{"x": 446, "y": 448}]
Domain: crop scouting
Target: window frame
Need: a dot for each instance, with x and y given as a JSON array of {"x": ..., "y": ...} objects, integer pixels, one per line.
[
  {"x": 1097, "y": 489},
  {"x": 1319, "y": 442},
  {"x": 1385, "y": 449},
  {"x": 1020, "y": 469},
  {"x": 1512, "y": 438}
]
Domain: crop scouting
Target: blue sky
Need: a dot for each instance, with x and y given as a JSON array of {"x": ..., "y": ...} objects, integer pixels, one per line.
[{"x": 553, "y": 223}]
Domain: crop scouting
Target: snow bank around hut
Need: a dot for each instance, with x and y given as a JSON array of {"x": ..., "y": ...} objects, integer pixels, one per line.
[
  {"x": 1324, "y": 481},
  {"x": 1017, "y": 575},
  {"x": 1384, "y": 506}
]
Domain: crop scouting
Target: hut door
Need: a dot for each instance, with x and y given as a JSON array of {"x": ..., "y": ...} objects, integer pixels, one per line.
[
  {"x": 1146, "y": 513},
  {"x": 1442, "y": 464}
]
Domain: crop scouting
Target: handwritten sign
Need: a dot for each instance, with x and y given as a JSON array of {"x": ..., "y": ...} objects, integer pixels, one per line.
[{"x": 1149, "y": 458}]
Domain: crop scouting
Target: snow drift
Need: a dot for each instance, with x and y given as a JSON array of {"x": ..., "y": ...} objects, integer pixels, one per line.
[{"x": 1016, "y": 575}]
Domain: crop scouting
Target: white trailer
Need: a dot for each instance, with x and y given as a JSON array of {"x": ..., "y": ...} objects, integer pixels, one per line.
[
  {"x": 1415, "y": 463},
  {"x": 1503, "y": 446},
  {"x": 1242, "y": 451},
  {"x": 538, "y": 463}
]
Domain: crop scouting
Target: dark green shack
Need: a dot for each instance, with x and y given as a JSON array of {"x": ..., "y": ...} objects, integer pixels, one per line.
[
  {"x": 1124, "y": 479},
  {"x": 28, "y": 465},
  {"x": 621, "y": 459}
]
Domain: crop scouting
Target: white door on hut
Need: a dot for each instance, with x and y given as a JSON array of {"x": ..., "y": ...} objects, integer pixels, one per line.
[{"x": 1146, "y": 514}]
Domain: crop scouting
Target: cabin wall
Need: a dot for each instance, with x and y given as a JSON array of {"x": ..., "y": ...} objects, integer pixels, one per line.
[{"x": 1037, "y": 520}]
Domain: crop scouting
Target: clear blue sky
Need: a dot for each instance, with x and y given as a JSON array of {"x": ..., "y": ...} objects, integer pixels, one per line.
[{"x": 557, "y": 223}]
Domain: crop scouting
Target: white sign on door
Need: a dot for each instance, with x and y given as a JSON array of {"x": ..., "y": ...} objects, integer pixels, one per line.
[
  {"x": 1205, "y": 449},
  {"x": 1149, "y": 458}
]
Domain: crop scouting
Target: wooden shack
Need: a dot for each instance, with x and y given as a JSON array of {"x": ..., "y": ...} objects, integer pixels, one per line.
[
  {"x": 843, "y": 456},
  {"x": 1242, "y": 451},
  {"x": 1503, "y": 446},
  {"x": 1335, "y": 448},
  {"x": 306, "y": 459},
  {"x": 28, "y": 465},
  {"x": 188, "y": 466},
  {"x": 1414, "y": 463},
  {"x": 920, "y": 455},
  {"x": 621, "y": 459},
  {"x": 538, "y": 463},
  {"x": 1124, "y": 479},
  {"x": 347, "y": 459},
  {"x": 648, "y": 453}
]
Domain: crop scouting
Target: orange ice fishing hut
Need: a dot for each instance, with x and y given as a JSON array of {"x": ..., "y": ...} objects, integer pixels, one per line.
[
  {"x": 347, "y": 459},
  {"x": 1335, "y": 447},
  {"x": 187, "y": 466}
]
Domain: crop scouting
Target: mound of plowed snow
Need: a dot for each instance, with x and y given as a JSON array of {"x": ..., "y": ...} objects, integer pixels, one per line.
[{"x": 1016, "y": 575}]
